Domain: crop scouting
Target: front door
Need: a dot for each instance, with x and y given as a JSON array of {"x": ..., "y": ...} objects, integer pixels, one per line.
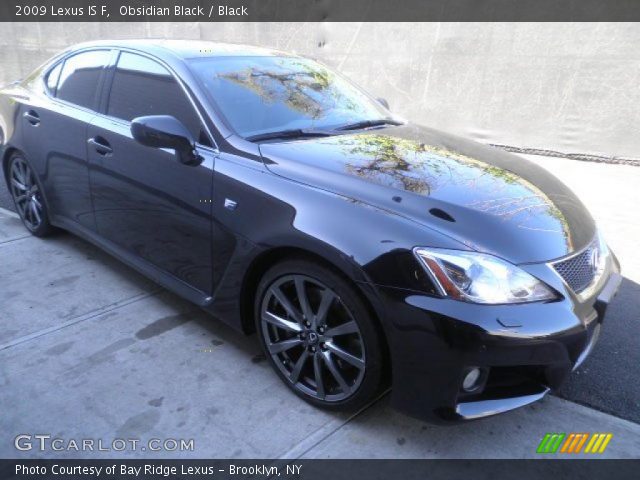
[{"x": 145, "y": 200}]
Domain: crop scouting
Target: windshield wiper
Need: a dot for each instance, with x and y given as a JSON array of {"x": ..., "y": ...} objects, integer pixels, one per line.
[
  {"x": 306, "y": 132},
  {"x": 369, "y": 123},
  {"x": 293, "y": 133}
]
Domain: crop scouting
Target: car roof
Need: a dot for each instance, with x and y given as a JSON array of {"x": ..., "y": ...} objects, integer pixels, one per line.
[{"x": 183, "y": 49}]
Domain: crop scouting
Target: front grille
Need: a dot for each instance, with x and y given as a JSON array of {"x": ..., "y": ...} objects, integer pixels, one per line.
[{"x": 578, "y": 271}]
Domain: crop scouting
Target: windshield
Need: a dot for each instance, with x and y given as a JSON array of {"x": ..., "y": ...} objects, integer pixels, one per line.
[{"x": 259, "y": 95}]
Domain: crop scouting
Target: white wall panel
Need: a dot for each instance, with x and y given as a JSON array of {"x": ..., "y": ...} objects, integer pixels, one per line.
[{"x": 570, "y": 87}]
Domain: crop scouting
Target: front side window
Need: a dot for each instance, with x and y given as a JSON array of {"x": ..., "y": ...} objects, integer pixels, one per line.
[
  {"x": 143, "y": 87},
  {"x": 79, "y": 78},
  {"x": 259, "y": 95}
]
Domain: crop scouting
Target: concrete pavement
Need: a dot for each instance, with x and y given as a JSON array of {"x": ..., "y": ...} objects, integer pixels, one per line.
[{"x": 91, "y": 350}]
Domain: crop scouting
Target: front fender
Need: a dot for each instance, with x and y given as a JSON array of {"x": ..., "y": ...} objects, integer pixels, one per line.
[{"x": 369, "y": 245}]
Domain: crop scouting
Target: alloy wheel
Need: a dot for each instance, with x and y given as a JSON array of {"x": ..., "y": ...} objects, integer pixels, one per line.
[
  {"x": 312, "y": 338},
  {"x": 26, "y": 193}
]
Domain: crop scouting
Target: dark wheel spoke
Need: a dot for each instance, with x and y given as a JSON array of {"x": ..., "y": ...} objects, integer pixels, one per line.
[
  {"x": 281, "y": 322},
  {"x": 317, "y": 373},
  {"x": 18, "y": 173},
  {"x": 326, "y": 301},
  {"x": 287, "y": 305},
  {"x": 26, "y": 173},
  {"x": 333, "y": 368},
  {"x": 295, "y": 373},
  {"x": 344, "y": 329},
  {"x": 20, "y": 170},
  {"x": 284, "y": 345},
  {"x": 303, "y": 299},
  {"x": 19, "y": 185},
  {"x": 22, "y": 208},
  {"x": 24, "y": 176},
  {"x": 27, "y": 213},
  {"x": 17, "y": 176},
  {"x": 36, "y": 213},
  {"x": 346, "y": 356}
]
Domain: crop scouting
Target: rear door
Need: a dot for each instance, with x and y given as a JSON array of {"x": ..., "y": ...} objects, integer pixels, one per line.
[
  {"x": 55, "y": 133},
  {"x": 145, "y": 200}
]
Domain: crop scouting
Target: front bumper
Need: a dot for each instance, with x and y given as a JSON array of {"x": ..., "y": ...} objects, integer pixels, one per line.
[{"x": 525, "y": 350}]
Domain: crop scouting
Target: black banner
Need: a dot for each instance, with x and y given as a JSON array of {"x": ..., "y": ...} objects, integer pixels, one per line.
[
  {"x": 319, "y": 469},
  {"x": 320, "y": 10}
]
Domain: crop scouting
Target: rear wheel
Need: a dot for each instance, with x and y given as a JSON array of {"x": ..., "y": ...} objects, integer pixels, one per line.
[
  {"x": 27, "y": 196},
  {"x": 318, "y": 335}
]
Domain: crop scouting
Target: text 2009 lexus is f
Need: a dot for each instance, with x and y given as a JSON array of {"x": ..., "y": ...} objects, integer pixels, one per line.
[{"x": 365, "y": 251}]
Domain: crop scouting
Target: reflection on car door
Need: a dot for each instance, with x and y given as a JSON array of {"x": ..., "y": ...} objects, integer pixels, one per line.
[
  {"x": 145, "y": 200},
  {"x": 55, "y": 129}
]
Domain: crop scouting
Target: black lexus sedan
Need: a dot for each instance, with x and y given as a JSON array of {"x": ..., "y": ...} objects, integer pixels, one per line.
[{"x": 365, "y": 251}]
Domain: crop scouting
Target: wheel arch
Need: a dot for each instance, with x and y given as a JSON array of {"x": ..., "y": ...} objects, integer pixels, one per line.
[{"x": 6, "y": 155}]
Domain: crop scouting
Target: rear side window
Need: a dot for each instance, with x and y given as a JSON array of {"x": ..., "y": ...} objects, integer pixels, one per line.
[
  {"x": 79, "y": 78},
  {"x": 52, "y": 78},
  {"x": 142, "y": 87}
]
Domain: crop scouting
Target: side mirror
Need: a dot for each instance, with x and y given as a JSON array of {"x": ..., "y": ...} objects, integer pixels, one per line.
[
  {"x": 165, "y": 131},
  {"x": 384, "y": 103}
]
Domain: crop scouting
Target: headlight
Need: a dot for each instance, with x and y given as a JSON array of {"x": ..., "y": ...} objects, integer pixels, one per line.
[{"x": 481, "y": 278}]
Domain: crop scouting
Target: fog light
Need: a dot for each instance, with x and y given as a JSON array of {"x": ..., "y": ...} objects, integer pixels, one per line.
[{"x": 472, "y": 380}]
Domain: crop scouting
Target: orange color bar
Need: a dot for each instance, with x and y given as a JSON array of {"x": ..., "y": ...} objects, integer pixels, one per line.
[
  {"x": 581, "y": 443},
  {"x": 567, "y": 442}
]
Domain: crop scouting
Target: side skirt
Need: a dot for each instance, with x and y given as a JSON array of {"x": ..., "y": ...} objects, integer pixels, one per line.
[{"x": 146, "y": 268}]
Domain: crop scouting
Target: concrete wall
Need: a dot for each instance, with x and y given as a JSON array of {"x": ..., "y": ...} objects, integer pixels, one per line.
[{"x": 570, "y": 87}]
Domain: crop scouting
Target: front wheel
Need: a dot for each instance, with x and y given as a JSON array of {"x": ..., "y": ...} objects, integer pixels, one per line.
[
  {"x": 319, "y": 336},
  {"x": 27, "y": 196}
]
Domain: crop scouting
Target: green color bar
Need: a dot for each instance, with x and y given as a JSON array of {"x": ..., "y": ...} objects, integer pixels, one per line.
[
  {"x": 550, "y": 443},
  {"x": 557, "y": 443},
  {"x": 552, "y": 440},
  {"x": 543, "y": 443}
]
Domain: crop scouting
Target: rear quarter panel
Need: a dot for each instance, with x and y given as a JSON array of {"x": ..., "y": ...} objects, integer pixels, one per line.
[{"x": 11, "y": 98}]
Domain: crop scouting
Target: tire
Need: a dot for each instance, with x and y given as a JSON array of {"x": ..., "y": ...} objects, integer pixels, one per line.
[
  {"x": 28, "y": 197},
  {"x": 347, "y": 328}
]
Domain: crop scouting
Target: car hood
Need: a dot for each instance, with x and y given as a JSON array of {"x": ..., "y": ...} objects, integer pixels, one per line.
[{"x": 489, "y": 200}]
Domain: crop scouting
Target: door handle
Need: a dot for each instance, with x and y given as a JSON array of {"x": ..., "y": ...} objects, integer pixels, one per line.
[
  {"x": 101, "y": 146},
  {"x": 32, "y": 117}
]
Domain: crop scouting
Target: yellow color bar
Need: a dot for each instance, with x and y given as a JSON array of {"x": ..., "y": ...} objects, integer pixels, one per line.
[
  {"x": 596, "y": 445},
  {"x": 594, "y": 437},
  {"x": 598, "y": 442},
  {"x": 605, "y": 443}
]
